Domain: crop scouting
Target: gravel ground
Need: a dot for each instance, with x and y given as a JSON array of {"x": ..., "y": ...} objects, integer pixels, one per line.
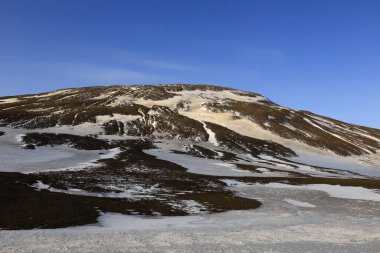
[
  {"x": 334, "y": 225},
  {"x": 300, "y": 238}
]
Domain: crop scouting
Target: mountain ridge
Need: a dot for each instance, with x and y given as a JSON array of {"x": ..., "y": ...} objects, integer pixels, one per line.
[{"x": 151, "y": 110}]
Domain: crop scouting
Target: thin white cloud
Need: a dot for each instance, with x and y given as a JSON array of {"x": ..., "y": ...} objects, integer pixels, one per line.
[
  {"x": 139, "y": 59},
  {"x": 82, "y": 73},
  {"x": 98, "y": 73}
]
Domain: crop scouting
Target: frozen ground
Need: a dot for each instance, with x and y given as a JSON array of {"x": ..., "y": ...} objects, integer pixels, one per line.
[
  {"x": 199, "y": 165},
  {"x": 14, "y": 158},
  {"x": 310, "y": 222},
  {"x": 299, "y": 218},
  {"x": 353, "y": 164}
]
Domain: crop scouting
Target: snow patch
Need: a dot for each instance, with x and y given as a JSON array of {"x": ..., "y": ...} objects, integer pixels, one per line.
[
  {"x": 133, "y": 222},
  {"x": 50, "y": 94},
  {"x": 92, "y": 163},
  {"x": 346, "y": 192},
  {"x": 211, "y": 135},
  {"x": 9, "y": 100},
  {"x": 102, "y": 119},
  {"x": 299, "y": 203},
  {"x": 41, "y": 186},
  {"x": 153, "y": 112},
  {"x": 112, "y": 153},
  {"x": 336, "y": 162},
  {"x": 189, "y": 206},
  {"x": 197, "y": 97},
  {"x": 263, "y": 170},
  {"x": 20, "y": 138},
  {"x": 234, "y": 183},
  {"x": 133, "y": 192},
  {"x": 197, "y": 165},
  {"x": 287, "y": 125},
  {"x": 337, "y": 191}
]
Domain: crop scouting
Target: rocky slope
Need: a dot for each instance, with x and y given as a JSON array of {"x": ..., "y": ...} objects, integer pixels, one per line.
[{"x": 186, "y": 112}]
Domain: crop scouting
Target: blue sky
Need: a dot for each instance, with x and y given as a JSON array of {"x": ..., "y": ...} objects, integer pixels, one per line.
[{"x": 317, "y": 55}]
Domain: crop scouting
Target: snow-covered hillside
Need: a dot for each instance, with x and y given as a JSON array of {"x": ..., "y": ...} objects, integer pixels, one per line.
[
  {"x": 78, "y": 156},
  {"x": 180, "y": 111}
]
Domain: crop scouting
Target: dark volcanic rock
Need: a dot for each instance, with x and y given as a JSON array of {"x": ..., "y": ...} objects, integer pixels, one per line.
[
  {"x": 29, "y": 146},
  {"x": 78, "y": 142}
]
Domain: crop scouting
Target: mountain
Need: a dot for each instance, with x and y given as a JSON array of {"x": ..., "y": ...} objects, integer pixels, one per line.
[
  {"x": 165, "y": 150},
  {"x": 186, "y": 112}
]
